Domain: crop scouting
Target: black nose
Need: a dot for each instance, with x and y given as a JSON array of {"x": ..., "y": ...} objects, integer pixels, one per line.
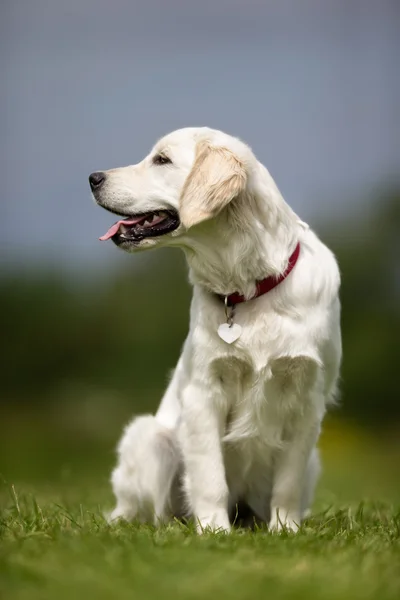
[{"x": 97, "y": 179}]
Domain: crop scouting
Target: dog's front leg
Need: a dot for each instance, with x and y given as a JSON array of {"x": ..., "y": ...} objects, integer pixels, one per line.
[
  {"x": 291, "y": 475},
  {"x": 201, "y": 430}
]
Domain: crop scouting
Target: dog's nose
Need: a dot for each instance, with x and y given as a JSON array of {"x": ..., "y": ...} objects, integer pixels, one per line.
[{"x": 97, "y": 179}]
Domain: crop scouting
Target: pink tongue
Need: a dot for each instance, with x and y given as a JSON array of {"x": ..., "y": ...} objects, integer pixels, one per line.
[{"x": 115, "y": 228}]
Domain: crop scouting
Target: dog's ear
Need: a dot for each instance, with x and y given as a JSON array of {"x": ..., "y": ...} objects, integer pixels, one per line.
[{"x": 217, "y": 177}]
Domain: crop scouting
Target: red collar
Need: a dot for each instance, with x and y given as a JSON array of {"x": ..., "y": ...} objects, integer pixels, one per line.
[{"x": 265, "y": 285}]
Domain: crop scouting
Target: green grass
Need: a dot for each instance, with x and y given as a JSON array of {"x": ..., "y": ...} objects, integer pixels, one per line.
[
  {"x": 55, "y": 543},
  {"x": 52, "y": 551}
]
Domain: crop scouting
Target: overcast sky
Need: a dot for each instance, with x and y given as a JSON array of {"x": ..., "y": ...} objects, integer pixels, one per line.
[{"x": 312, "y": 86}]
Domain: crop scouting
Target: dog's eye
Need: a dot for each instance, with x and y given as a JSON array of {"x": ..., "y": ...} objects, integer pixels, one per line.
[{"x": 161, "y": 159}]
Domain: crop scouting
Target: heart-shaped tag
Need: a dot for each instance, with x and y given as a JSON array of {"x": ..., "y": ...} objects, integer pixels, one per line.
[{"x": 229, "y": 333}]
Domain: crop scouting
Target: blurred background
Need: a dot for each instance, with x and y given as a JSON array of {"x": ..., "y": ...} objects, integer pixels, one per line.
[{"x": 89, "y": 333}]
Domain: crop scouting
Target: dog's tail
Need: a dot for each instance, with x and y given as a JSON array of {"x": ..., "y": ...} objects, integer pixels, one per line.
[{"x": 145, "y": 480}]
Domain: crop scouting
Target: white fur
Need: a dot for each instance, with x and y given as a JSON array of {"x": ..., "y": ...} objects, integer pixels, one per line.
[{"x": 239, "y": 421}]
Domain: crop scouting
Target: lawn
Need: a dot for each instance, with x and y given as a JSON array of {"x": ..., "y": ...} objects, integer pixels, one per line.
[{"x": 55, "y": 543}]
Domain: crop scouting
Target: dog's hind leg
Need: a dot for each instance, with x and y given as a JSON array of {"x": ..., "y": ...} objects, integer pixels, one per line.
[{"x": 146, "y": 473}]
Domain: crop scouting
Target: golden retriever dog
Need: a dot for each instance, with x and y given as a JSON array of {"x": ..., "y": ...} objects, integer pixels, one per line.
[{"x": 240, "y": 419}]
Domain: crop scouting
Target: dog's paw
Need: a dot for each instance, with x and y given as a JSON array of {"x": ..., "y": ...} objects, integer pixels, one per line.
[
  {"x": 118, "y": 515},
  {"x": 282, "y": 520},
  {"x": 217, "y": 522}
]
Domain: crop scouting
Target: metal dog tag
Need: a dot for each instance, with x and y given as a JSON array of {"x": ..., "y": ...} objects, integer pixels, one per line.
[{"x": 229, "y": 333}]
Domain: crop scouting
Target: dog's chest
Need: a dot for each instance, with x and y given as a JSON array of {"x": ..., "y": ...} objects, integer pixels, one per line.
[{"x": 262, "y": 403}]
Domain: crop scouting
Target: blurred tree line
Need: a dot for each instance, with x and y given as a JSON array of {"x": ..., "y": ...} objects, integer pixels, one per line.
[{"x": 119, "y": 337}]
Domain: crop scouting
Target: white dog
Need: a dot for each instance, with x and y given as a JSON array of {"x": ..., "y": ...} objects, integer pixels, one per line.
[{"x": 241, "y": 417}]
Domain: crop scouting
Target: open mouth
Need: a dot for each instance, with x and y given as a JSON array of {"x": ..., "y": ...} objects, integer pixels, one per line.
[{"x": 138, "y": 227}]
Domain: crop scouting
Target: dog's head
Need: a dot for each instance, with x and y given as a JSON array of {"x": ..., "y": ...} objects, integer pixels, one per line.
[{"x": 189, "y": 177}]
